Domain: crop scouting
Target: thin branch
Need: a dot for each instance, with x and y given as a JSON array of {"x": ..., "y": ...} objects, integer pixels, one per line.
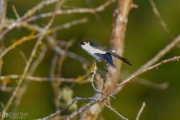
[
  {"x": 30, "y": 37},
  {"x": 32, "y": 69},
  {"x": 79, "y": 10},
  {"x": 140, "y": 111},
  {"x": 69, "y": 24},
  {"x": 161, "y": 21},
  {"x": 73, "y": 101},
  {"x": 28, "y": 14},
  {"x": 92, "y": 82},
  {"x": 98, "y": 18},
  {"x": 6, "y": 89},
  {"x": 44, "y": 79},
  {"x": 145, "y": 82},
  {"x": 3, "y": 7},
  {"x": 160, "y": 54},
  {"x": 20, "y": 41},
  {"x": 30, "y": 60},
  {"x": 56, "y": 85},
  {"x": 85, "y": 107},
  {"x": 122, "y": 117},
  {"x": 148, "y": 83},
  {"x": 15, "y": 12},
  {"x": 147, "y": 69},
  {"x": 72, "y": 55}
]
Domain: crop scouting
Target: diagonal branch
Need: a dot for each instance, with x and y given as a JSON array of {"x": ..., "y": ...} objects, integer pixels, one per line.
[
  {"x": 163, "y": 24},
  {"x": 28, "y": 14},
  {"x": 25, "y": 72},
  {"x": 149, "y": 63},
  {"x": 78, "y": 10},
  {"x": 141, "y": 110}
]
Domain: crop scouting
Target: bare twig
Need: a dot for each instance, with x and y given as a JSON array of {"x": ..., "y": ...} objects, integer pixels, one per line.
[
  {"x": 69, "y": 24},
  {"x": 149, "y": 63},
  {"x": 3, "y": 6},
  {"x": 30, "y": 37},
  {"x": 28, "y": 14},
  {"x": 42, "y": 79},
  {"x": 72, "y": 55},
  {"x": 31, "y": 72},
  {"x": 6, "y": 89},
  {"x": 15, "y": 12},
  {"x": 147, "y": 69},
  {"x": 92, "y": 82},
  {"x": 140, "y": 111},
  {"x": 79, "y": 10},
  {"x": 148, "y": 83},
  {"x": 122, "y": 117},
  {"x": 161, "y": 21},
  {"x": 58, "y": 60},
  {"x": 85, "y": 107},
  {"x": 30, "y": 60},
  {"x": 74, "y": 100},
  {"x": 20, "y": 41},
  {"x": 98, "y": 18},
  {"x": 145, "y": 82}
]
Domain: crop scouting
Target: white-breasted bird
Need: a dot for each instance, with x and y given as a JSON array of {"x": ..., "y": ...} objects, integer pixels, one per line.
[{"x": 100, "y": 52}]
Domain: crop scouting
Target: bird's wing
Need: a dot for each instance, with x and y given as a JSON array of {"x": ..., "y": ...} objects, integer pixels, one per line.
[{"x": 114, "y": 54}]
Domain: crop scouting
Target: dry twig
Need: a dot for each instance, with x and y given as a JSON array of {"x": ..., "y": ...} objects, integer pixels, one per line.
[
  {"x": 39, "y": 41},
  {"x": 161, "y": 21},
  {"x": 149, "y": 63},
  {"x": 140, "y": 111}
]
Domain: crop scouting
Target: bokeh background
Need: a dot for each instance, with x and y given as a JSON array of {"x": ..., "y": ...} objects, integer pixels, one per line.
[{"x": 144, "y": 38}]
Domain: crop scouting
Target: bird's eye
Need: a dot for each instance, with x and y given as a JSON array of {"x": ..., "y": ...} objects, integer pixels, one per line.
[{"x": 82, "y": 43}]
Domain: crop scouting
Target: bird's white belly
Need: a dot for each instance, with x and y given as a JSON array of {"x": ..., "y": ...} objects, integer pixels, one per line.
[{"x": 92, "y": 50}]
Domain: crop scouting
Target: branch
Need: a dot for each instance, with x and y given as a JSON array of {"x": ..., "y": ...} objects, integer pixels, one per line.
[
  {"x": 141, "y": 110},
  {"x": 147, "y": 69},
  {"x": 3, "y": 6},
  {"x": 30, "y": 37},
  {"x": 73, "y": 101},
  {"x": 122, "y": 117},
  {"x": 28, "y": 14},
  {"x": 84, "y": 108},
  {"x": 92, "y": 82},
  {"x": 79, "y": 10},
  {"x": 25, "y": 72},
  {"x": 161, "y": 21},
  {"x": 149, "y": 83},
  {"x": 42, "y": 79},
  {"x": 149, "y": 63},
  {"x": 43, "y": 50}
]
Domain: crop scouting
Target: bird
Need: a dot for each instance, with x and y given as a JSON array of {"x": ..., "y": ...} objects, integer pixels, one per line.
[{"x": 100, "y": 52}]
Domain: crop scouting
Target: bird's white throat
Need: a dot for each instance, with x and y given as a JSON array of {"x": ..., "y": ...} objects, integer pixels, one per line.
[{"x": 91, "y": 50}]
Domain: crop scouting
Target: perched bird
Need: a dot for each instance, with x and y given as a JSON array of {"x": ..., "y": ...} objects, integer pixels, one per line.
[{"x": 100, "y": 52}]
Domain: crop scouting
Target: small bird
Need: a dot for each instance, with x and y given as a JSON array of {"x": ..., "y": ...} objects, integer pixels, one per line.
[{"x": 100, "y": 52}]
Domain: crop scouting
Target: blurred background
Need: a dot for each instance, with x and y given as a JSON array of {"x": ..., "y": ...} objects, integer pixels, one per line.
[{"x": 144, "y": 38}]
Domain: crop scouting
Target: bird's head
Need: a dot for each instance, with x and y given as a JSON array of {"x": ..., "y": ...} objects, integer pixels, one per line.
[{"x": 85, "y": 41}]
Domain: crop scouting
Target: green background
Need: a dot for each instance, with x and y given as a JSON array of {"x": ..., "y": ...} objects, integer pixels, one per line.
[{"x": 144, "y": 38}]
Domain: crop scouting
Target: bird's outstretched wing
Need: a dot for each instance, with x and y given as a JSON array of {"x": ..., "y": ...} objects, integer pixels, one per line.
[{"x": 114, "y": 54}]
